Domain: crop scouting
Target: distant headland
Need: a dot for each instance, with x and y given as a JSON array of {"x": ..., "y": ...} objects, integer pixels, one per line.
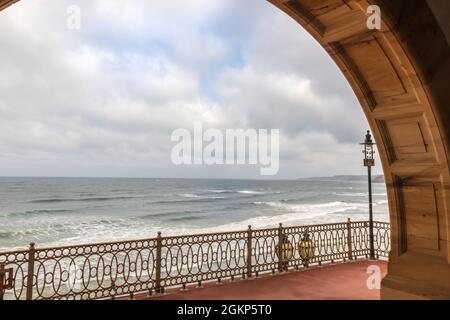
[{"x": 351, "y": 178}]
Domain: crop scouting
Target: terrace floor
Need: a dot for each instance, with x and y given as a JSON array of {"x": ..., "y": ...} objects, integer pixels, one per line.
[{"x": 341, "y": 281}]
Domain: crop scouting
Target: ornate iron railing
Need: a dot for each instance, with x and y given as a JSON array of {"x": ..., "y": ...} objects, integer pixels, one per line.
[{"x": 109, "y": 270}]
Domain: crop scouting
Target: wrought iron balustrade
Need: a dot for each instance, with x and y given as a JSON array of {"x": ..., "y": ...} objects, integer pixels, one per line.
[{"x": 126, "y": 268}]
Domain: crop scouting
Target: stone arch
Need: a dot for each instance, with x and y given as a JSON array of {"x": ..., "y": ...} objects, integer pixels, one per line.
[{"x": 400, "y": 75}]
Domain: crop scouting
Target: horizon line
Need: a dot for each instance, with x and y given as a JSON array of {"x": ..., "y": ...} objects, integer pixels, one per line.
[{"x": 184, "y": 178}]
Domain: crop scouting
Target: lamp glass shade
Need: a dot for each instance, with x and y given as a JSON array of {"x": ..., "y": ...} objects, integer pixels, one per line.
[
  {"x": 287, "y": 251},
  {"x": 369, "y": 151},
  {"x": 306, "y": 249}
]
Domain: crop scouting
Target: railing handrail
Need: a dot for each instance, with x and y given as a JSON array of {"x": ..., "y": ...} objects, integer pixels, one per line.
[{"x": 119, "y": 242}]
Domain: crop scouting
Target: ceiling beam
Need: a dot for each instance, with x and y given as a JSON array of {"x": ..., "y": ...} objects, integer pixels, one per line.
[{"x": 6, "y": 3}]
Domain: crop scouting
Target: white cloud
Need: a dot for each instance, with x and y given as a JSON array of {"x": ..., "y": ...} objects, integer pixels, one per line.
[{"x": 104, "y": 100}]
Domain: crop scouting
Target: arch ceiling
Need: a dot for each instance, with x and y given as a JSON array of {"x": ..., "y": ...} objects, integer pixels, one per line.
[{"x": 400, "y": 75}]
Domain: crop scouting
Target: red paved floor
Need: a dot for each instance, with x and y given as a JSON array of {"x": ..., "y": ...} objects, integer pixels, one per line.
[{"x": 345, "y": 281}]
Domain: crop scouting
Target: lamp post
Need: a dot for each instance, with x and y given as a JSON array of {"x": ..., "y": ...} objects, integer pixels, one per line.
[{"x": 369, "y": 162}]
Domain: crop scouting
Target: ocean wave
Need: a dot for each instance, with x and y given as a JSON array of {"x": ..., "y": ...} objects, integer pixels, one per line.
[
  {"x": 247, "y": 192},
  {"x": 351, "y": 194},
  {"x": 185, "y": 218},
  {"x": 251, "y": 192},
  {"x": 188, "y": 200},
  {"x": 359, "y": 194},
  {"x": 30, "y": 233},
  {"x": 169, "y": 215},
  {"x": 220, "y": 191},
  {"x": 44, "y": 232},
  {"x": 293, "y": 214},
  {"x": 322, "y": 208},
  {"x": 73, "y": 231},
  {"x": 266, "y": 221},
  {"x": 7, "y": 234},
  {"x": 56, "y": 200},
  {"x": 196, "y": 196},
  {"x": 189, "y": 195},
  {"x": 36, "y": 213}
]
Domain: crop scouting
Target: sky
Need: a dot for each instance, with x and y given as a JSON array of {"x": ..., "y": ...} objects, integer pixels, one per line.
[{"x": 104, "y": 99}]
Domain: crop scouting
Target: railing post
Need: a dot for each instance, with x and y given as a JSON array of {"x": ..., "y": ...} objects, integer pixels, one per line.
[
  {"x": 249, "y": 251},
  {"x": 158, "y": 263},
  {"x": 2, "y": 280},
  {"x": 349, "y": 239},
  {"x": 30, "y": 275},
  {"x": 280, "y": 248},
  {"x": 6, "y": 280}
]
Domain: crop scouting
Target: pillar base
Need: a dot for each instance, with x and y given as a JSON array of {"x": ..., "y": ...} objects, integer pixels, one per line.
[
  {"x": 415, "y": 276},
  {"x": 393, "y": 294}
]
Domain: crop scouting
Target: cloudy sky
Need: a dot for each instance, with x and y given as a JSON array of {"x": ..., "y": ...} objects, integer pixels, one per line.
[{"x": 105, "y": 99}]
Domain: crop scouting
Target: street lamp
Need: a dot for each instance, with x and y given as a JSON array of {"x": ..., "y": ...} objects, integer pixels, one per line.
[{"x": 369, "y": 162}]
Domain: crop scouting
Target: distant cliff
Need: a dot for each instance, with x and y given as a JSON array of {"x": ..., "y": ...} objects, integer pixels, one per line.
[{"x": 350, "y": 178}]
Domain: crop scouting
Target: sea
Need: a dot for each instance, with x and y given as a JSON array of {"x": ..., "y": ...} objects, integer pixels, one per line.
[{"x": 62, "y": 211}]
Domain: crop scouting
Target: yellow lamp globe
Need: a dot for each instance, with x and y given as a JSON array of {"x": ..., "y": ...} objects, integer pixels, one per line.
[{"x": 306, "y": 248}]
